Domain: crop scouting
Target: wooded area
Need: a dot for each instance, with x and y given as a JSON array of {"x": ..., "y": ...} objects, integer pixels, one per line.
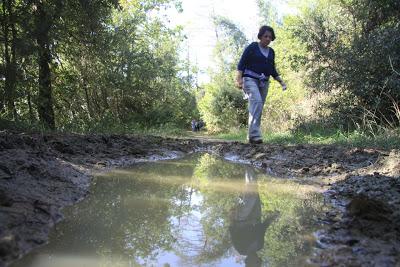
[
  {"x": 81, "y": 81},
  {"x": 340, "y": 60},
  {"x": 73, "y": 64},
  {"x": 83, "y": 66}
]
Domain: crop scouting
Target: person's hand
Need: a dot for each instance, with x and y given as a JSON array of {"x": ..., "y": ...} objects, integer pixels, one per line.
[
  {"x": 239, "y": 83},
  {"x": 284, "y": 87}
]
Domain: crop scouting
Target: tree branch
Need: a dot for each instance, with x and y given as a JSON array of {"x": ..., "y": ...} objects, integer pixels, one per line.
[{"x": 391, "y": 65}]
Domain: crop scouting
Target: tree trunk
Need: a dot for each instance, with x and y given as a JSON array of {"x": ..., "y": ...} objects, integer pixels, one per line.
[
  {"x": 13, "y": 63},
  {"x": 104, "y": 96},
  {"x": 10, "y": 60},
  {"x": 29, "y": 99},
  {"x": 89, "y": 105},
  {"x": 45, "y": 101}
]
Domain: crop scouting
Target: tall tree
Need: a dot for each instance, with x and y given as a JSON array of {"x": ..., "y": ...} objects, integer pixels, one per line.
[
  {"x": 49, "y": 18},
  {"x": 82, "y": 63},
  {"x": 45, "y": 14},
  {"x": 221, "y": 105},
  {"x": 267, "y": 12},
  {"x": 351, "y": 54},
  {"x": 9, "y": 46}
]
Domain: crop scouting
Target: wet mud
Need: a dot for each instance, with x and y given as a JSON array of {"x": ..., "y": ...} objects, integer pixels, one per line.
[{"x": 41, "y": 174}]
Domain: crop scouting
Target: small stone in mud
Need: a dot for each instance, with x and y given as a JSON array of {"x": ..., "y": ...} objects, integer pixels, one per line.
[
  {"x": 352, "y": 242},
  {"x": 101, "y": 164},
  {"x": 8, "y": 245},
  {"x": 369, "y": 209},
  {"x": 259, "y": 156},
  {"x": 5, "y": 200},
  {"x": 305, "y": 169}
]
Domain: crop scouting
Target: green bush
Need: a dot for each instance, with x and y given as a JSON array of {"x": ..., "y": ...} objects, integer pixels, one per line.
[
  {"x": 223, "y": 108},
  {"x": 352, "y": 53}
]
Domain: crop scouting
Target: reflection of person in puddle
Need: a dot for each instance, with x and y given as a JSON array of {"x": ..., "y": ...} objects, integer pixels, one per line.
[{"x": 247, "y": 230}]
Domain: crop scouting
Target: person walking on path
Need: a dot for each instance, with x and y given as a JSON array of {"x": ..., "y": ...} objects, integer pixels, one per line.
[
  {"x": 255, "y": 67},
  {"x": 193, "y": 124}
]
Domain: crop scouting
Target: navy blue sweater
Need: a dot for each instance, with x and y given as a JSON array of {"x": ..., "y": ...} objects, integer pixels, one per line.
[{"x": 252, "y": 59}]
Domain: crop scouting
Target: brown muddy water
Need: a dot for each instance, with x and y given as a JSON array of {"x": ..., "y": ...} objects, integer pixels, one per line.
[{"x": 196, "y": 211}]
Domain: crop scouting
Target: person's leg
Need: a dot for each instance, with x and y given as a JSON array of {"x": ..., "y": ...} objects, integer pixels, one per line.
[
  {"x": 263, "y": 90},
  {"x": 250, "y": 86}
]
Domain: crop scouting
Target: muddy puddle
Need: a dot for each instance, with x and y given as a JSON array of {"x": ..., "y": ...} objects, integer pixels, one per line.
[{"x": 196, "y": 211}]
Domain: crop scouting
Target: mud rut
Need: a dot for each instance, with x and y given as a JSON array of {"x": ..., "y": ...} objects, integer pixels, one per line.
[{"x": 40, "y": 174}]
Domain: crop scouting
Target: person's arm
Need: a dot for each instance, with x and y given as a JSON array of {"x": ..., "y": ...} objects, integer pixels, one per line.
[
  {"x": 275, "y": 74},
  {"x": 242, "y": 66},
  {"x": 239, "y": 79},
  {"x": 283, "y": 84}
]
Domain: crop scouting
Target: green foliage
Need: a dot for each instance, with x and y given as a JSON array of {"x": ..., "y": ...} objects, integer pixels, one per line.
[
  {"x": 230, "y": 32},
  {"x": 108, "y": 65},
  {"x": 222, "y": 108},
  {"x": 79, "y": 65},
  {"x": 352, "y": 53},
  {"x": 224, "y": 113},
  {"x": 221, "y": 105},
  {"x": 267, "y": 12},
  {"x": 283, "y": 108}
]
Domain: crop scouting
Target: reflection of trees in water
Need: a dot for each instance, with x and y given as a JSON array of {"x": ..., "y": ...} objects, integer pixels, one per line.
[
  {"x": 128, "y": 213},
  {"x": 285, "y": 238},
  {"x": 198, "y": 242},
  {"x": 186, "y": 208},
  {"x": 202, "y": 242},
  {"x": 209, "y": 240},
  {"x": 289, "y": 237},
  {"x": 152, "y": 229}
]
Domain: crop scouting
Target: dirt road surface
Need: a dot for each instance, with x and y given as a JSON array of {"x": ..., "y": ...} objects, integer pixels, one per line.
[{"x": 41, "y": 174}]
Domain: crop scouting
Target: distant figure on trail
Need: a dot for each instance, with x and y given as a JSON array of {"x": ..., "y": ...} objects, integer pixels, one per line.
[
  {"x": 193, "y": 124},
  {"x": 255, "y": 67},
  {"x": 199, "y": 125},
  {"x": 246, "y": 229}
]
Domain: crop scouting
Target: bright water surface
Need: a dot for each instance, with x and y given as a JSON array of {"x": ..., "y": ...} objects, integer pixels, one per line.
[{"x": 196, "y": 211}]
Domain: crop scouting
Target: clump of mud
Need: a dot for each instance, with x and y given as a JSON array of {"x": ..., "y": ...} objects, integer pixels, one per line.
[
  {"x": 34, "y": 186},
  {"x": 40, "y": 174},
  {"x": 366, "y": 231}
]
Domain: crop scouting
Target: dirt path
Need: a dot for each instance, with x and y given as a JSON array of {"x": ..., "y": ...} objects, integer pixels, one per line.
[
  {"x": 203, "y": 137},
  {"x": 40, "y": 174}
]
